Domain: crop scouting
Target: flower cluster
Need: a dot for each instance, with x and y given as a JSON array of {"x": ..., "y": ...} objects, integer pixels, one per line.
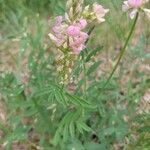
[
  {"x": 134, "y": 6},
  {"x": 69, "y": 35}
]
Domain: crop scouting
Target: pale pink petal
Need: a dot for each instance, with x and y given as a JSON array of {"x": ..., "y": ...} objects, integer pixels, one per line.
[
  {"x": 58, "y": 41},
  {"x": 78, "y": 49},
  {"x": 147, "y": 11},
  {"x": 58, "y": 20},
  {"x": 81, "y": 39},
  {"x": 125, "y": 6},
  {"x": 52, "y": 37},
  {"x": 133, "y": 14},
  {"x": 135, "y": 3},
  {"x": 100, "y": 12},
  {"x": 82, "y": 23}
]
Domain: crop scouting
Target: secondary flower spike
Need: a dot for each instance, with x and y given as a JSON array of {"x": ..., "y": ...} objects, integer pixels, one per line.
[
  {"x": 133, "y": 6},
  {"x": 100, "y": 12}
]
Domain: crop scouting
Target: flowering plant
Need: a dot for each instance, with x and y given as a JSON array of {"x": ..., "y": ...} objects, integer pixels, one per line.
[
  {"x": 68, "y": 33},
  {"x": 62, "y": 100}
]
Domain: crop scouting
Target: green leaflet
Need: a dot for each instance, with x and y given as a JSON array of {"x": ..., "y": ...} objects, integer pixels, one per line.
[
  {"x": 78, "y": 101},
  {"x": 93, "y": 68},
  {"x": 93, "y": 53}
]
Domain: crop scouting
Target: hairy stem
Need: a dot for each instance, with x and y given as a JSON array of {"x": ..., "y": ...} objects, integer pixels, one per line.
[
  {"x": 85, "y": 81},
  {"x": 123, "y": 50},
  {"x": 84, "y": 66}
]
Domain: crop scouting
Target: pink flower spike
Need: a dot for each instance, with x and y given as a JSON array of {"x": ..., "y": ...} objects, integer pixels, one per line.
[
  {"x": 135, "y": 3},
  {"x": 73, "y": 31}
]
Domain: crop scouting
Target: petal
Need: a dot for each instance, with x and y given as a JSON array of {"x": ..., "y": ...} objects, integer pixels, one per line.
[
  {"x": 125, "y": 6},
  {"x": 78, "y": 49},
  {"x": 58, "y": 20},
  {"x": 56, "y": 40},
  {"x": 147, "y": 11},
  {"x": 73, "y": 31},
  {"x": 82, "y": 23},
  {"x": 135, "y": 3},
  {"x": 99, "y": 12},
  {"x": 133, "y": 14},
  {"x": 52, "y": 37},
  {"x": 100, "y": 20}
]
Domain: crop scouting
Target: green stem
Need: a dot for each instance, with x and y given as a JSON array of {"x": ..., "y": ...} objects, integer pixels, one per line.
[
  {"x": 85, "y": 80},
  {"x": 84, "y": 66},
  {"x": 123, "y": 50},
  {"x": 89, "y": 33}
]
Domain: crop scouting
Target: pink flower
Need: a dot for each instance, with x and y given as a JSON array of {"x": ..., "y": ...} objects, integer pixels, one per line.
[
  {"x": 58, "y": 35},
  {"x": 133, "y": 7},
  {"x": 57, "y": 40},
  {"x": 71, "y": 36},
  {"x": 78, "y": 43},
  {"x": 58, "y": 20},
  {"x": 135, "y": 3},
  {"x": 77, "y": 49},
  {"x": 100, "y": 12},
  {"x": 73, "y": 31},
  {"x": 81, "y": 38},
  {"x": 82, "y": 23}
]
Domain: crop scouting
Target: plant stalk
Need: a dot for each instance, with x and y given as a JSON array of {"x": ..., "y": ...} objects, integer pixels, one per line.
[
  {"x": 123, "y": 50},
  {"x": 84, "y": 66}
]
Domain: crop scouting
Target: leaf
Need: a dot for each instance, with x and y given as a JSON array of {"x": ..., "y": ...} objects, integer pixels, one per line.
[
  {"x": 76, "y": 144},
  {"x": 19, "y": 133},
  {"x": 65, "y": 132},
  {"x": 51, "y": 97},
  {"x": 30, "y": 112},
  {"x": 79, "y": 128},
  {"x": 93, "y": 53},
  {"x": 63, "y": 128},
  {"x": 72, "y": 129},
  {"x": 145, "y": 129},
  {"x": 84, "y": 126},
  {"x": 56, "y": 138},
  {"x": 78, "y": 101},
  {"x": 58, "y": 97},
  {"x": 109, "y": 131},
  {"x": 42, "y": 92},
  {"x": 93, "y": 67}
]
